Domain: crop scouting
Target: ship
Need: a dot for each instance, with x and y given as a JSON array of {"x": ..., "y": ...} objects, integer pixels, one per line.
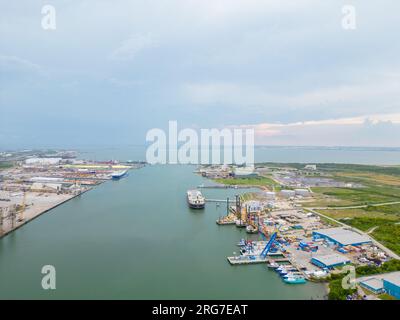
[
  {"x": 116, "y": 175},
  {"x": 195, "y": 199}
]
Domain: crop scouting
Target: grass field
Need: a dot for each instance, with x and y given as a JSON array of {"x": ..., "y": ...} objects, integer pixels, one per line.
[
  {"x": 370, "y": 177},
  {"x": 332, "y": 197},
  {"x": 253, "y": 181},
  {"x": 385, "y": 296},
  {"x": 5, "y": 165}
]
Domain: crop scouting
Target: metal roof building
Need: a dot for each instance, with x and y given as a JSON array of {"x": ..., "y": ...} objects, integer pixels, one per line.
[
  {"x": 373, "y": 284},
  {"x": 341, "y": 236},
  {"x": 391, "y": 283},
  {"x": 329, "y": 260}
]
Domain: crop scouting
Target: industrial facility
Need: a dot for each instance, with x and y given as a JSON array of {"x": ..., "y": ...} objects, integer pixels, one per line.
[
  {"x": 391, "y": 284},
  {"x": 383, "y": 283},
  {"x": 330, "y": 261},
  {"x": 341, "y": 237}
]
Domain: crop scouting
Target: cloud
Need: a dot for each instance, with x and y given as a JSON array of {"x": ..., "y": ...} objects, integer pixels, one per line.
[
  {"x": 204, "y": 63},
  {"x": 16, "y": 64},
  {"x": 367, "y": 130},
  {"x": 131, "y": 47},
  {"x": 125, "y": 83},
  {"x": 242, "y": 94},
  {"x": 343, "y": 100}
]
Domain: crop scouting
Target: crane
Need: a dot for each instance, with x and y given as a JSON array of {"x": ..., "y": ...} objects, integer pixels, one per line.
[
  {"x": 22, "y": 209},
  {"x": 268, "y": 246}
]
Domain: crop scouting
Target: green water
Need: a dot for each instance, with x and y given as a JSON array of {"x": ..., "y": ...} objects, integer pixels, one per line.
[{"x": 137, "y": 239}]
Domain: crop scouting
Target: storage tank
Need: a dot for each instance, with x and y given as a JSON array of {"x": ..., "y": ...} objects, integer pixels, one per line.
[
  {"x": 270, "y": 195},
  {"x": 287, "y": 193},
  {"x": 302, "y": 192}
]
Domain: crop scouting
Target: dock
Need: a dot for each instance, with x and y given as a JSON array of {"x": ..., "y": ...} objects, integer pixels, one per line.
[
  {"x": 237, "y": 260},
  {"x": 224, "y": 223},
  {"x": 220, "y": 200},
  {"x": 254, "y": 259}
]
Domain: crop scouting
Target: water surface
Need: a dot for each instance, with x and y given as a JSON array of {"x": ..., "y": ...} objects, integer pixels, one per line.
[{"x": 137, "y": 239}]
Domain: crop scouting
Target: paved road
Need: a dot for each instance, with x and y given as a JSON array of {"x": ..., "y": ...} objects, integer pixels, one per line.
[{"x": 378, "y": 244}]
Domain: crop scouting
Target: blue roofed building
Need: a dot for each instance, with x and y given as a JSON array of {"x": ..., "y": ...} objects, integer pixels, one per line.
[
  {"x": 341, "y": 236},
  {"x": 374, "y": 285},
  {"x": 329, "y": 260},
  {"x": 391, "y": 284}
]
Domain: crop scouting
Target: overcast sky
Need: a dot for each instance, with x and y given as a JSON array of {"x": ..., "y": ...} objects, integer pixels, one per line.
[{"x": 112, "y": 70}]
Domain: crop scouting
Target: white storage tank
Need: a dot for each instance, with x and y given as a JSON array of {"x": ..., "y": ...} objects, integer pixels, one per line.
[
  {"x": 302, "y": 192},
  {"x": 287, "y": 193},
  {"x": 270, "y": 195}
]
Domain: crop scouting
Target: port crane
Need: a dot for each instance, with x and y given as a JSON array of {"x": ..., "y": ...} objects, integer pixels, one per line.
[{"x": 269, "y": 245}]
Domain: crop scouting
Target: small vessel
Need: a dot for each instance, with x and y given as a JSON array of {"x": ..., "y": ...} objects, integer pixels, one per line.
[
  {"x": 294, "y": 280},
  {"x": 242, "y": 243},
  {"x": 116, "y": 175},
  {"x": 273, "y": 265},
  {"x": 195, "y": 199},
  {"x": 251, "y": 229}
]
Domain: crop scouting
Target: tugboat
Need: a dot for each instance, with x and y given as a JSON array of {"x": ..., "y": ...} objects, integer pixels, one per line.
[{"x": 195, "y": 199}]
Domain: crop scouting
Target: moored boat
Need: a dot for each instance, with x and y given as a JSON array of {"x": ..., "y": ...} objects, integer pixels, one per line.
[
  {"x": 195, "y": 199},
  {"x": 295, "y": 280},
  {"x": 251, "y": 229},
  {"x": 116, "y": 175}
]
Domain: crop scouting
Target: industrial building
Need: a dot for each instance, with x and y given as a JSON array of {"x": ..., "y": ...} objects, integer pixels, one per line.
[
  {"x": 330, "y": 260},
  {"x": 302, "y": 192},
  {"x": 253, "y": 206},
  {"x": 244, "y": 172},
  {"x": 311, "y": 167},
  {"x": 43, "y": 161},
  {"x": 391, "y": 284},
  {"x": 341, "y": 236},
  {"x": 46, "y": 187},
  {"x": 374, "y": 285}
]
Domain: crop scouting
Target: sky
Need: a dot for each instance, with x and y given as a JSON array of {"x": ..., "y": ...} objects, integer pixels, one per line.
[{"x": 112, "y": 70}]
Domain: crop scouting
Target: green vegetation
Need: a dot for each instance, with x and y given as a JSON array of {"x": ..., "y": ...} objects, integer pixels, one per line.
[
  {"x": 336, "y": 291},
  {"x": 339, "y": 167},
  {"x": 345, "y": 214},
  {"x": 329, "y": 221},
  {"x": 385, "y": 296},
  {"x": 390, "y": 266},
  {"x": 5, "y": 165},
  {"x": 386, "y": 231},
  {"x": 253, "y": 181},
  {"x": 248, "y": 196},
  {"x": 387, "y": 210},
  {"x": 359, "y": 196}
]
